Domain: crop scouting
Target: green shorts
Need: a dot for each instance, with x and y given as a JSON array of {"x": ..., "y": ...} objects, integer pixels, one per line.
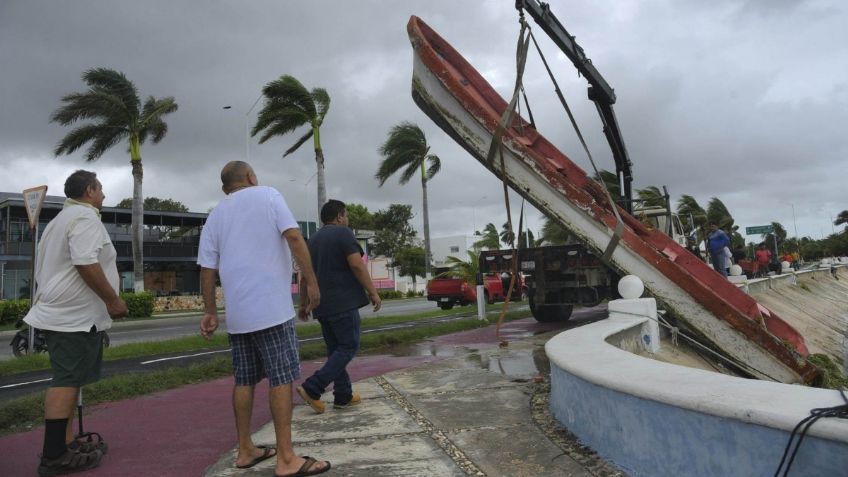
[{"x": 75, "y": 357}]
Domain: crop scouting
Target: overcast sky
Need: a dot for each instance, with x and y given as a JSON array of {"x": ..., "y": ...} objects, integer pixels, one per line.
[{"x": 745, "y": 101}]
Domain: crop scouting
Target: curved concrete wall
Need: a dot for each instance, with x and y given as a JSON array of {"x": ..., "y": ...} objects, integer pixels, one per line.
[{"x": 657, "y": 419}]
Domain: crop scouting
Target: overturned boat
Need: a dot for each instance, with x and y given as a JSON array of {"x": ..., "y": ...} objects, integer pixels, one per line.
[{"x": 457, "y": 98}]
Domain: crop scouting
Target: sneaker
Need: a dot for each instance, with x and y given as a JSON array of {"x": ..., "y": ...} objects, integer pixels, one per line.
[
  {"x": 316, "y": 404},
  {"x": 73, "y": 460},
  {"x": 354, "y": 400}
]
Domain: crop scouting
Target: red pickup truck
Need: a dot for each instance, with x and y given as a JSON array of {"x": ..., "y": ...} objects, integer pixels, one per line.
[{"x": 447, "y": 292}]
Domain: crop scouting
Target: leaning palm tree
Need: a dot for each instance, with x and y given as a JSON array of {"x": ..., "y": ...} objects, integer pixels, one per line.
[
  {"x": 116, "y": 113},
  {"x": 651, "y": 196},
  {"x": 489, "y": 238},
  {"x": 406, "y": 148},
  {"x": 288, "y": 106},
  {"x": 688, "y": 207}
]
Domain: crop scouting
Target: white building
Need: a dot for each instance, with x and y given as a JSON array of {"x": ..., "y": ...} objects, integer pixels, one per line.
[{"x": 455, "y": 246}]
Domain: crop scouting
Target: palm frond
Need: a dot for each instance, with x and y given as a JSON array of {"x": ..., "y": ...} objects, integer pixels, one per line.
[
  {"x": 151, "y": 121},
  {"x": 93, "y": 104},
  {"x": 391, "y": 164},
  {"x": 157, "y": 128},
  {"x": 299, "y": 142},
  {"x": 277, "y": 129},
  {"x": 103, "y": 143},
  {"x": 435, "y": 166},
  {"x": 405, "y": 148},
  {"x": 651, "y": 196},
  {"x": 77, "y": 138},
  {"x": 288, "y": 89},
  {"x": 284, "y": 118},
  {"x": 322, "y": 101},
  {"x": 116, "y": 83}
]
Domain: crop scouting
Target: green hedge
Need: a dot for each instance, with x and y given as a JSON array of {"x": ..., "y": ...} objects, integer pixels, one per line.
[
  {"x": 390, "y": 294},
  {"x": 140, "y": 305},
  {"x": 13, "y": 310}
]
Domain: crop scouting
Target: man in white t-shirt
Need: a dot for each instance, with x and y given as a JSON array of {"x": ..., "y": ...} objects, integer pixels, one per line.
[
  {"x": 76, "y": 299},
  {"x": 249, "y": 240}
]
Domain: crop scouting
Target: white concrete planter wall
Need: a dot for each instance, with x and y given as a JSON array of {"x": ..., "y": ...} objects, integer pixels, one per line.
[{"x": 656, "y": 419}]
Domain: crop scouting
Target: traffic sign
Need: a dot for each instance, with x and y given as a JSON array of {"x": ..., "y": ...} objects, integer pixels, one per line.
[
  {"x": 759, "y": 230},
  {"x": 33, "y": 198}
]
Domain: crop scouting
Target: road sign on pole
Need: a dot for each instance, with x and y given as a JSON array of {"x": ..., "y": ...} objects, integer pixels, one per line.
[
  {"x": 759, "y": 230},
  {"x": 33, "y": 199}
]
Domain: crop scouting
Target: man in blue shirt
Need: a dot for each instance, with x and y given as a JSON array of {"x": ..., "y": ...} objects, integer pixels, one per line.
[
  {"x": 715, "y": 244},
  {"x": 345, "y": 286}
]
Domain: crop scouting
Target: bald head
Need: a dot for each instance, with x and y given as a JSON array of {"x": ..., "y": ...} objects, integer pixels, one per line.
[{"x": 236, "y": 175}]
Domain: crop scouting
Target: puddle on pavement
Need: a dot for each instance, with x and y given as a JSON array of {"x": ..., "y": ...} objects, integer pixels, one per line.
[{"x": 515, "y": 363}]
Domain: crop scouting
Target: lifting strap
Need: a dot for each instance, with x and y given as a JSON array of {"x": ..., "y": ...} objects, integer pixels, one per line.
[
  {"x": 496, "y": 147},
  {"x": 619, "y": 225}
]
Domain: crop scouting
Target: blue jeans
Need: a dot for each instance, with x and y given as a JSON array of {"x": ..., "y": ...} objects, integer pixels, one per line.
[
  {"x": 717, "y": 258},
  {"x": 341, "y": 335}
]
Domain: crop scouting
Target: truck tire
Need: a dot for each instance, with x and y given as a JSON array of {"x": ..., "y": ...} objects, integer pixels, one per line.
[
  {"x": 550, "y": 313},
  {"x": 446, "y": 306}
]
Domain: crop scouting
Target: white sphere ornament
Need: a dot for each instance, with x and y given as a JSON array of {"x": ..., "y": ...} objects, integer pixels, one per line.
[
  {"x": 630, "y": 286},
  {"x": 735, "y": 270}
]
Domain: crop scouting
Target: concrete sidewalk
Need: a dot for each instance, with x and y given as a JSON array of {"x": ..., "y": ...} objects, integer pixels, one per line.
[
  {"x": 454, "y": 405},
  {"x": 481, "y": 412}
]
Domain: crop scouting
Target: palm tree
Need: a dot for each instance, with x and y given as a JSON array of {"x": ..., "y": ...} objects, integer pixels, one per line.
[
  {"x": 288, "y": 106},
  {"x": 718, "y": 214},
  {"x": 116, "y": 113},
  {"x": 842, "y": 218},
  {"x": 489, "y": 238},
  {"x": 687, "y": 207},
  {"x": 467, "y": 271},
  {"x": 406, "y": 148},
  {"x": 610, "y": 181},
  {"x": 506, "y": 235},
  {"x": 553, "y": 233},
  {"x": 651, "y": 196}
]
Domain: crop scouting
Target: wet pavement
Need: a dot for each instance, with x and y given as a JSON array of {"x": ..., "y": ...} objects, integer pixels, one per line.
[{"x": 456, "y": 405}]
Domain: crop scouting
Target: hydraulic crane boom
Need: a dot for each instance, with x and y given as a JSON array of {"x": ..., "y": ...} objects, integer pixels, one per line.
[{"x": 600, "y": 92}]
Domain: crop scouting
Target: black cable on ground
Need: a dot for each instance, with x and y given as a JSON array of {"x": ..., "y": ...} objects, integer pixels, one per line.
[{"x": 840, "y": 412}]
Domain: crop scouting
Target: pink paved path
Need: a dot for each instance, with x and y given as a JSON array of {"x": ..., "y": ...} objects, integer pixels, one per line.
[
  {"x": 179, "y": 432},
  {"x": 183, "y": 431}
]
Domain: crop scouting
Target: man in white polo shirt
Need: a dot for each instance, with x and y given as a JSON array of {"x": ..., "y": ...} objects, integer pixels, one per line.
[
  {"x": 76, "y": 299},
  {"x": 249, "y": 240}
]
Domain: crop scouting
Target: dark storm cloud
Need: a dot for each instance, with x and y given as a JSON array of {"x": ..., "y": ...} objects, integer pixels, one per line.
[{"x": 741, "y": 100}]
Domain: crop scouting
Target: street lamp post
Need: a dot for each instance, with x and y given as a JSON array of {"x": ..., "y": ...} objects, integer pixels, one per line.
[
  {"x": 474, "y": 214},
  {"x": 247, "y": 127}
]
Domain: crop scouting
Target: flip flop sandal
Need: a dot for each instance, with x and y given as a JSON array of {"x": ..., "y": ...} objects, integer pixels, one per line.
[
  {"x": 307, "y": 468},
  {"x": 266, "y": 454}
]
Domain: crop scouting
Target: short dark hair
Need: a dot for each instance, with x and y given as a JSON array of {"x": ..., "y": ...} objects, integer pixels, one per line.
[
  {"x": 332, "y": 209},
  {"x": 77, "y": 182},
  {"x": 234, "y": 172}
]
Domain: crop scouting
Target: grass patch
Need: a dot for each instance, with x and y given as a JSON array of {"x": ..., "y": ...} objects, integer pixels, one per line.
[
  {"x": 194, "y": 343},
  {"x": 24, "y": 413},
  {"x": 831, "y": 377}
]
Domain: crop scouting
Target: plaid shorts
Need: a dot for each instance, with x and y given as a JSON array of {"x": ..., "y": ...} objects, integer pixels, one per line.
[{"x": 271, "y": 353}]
